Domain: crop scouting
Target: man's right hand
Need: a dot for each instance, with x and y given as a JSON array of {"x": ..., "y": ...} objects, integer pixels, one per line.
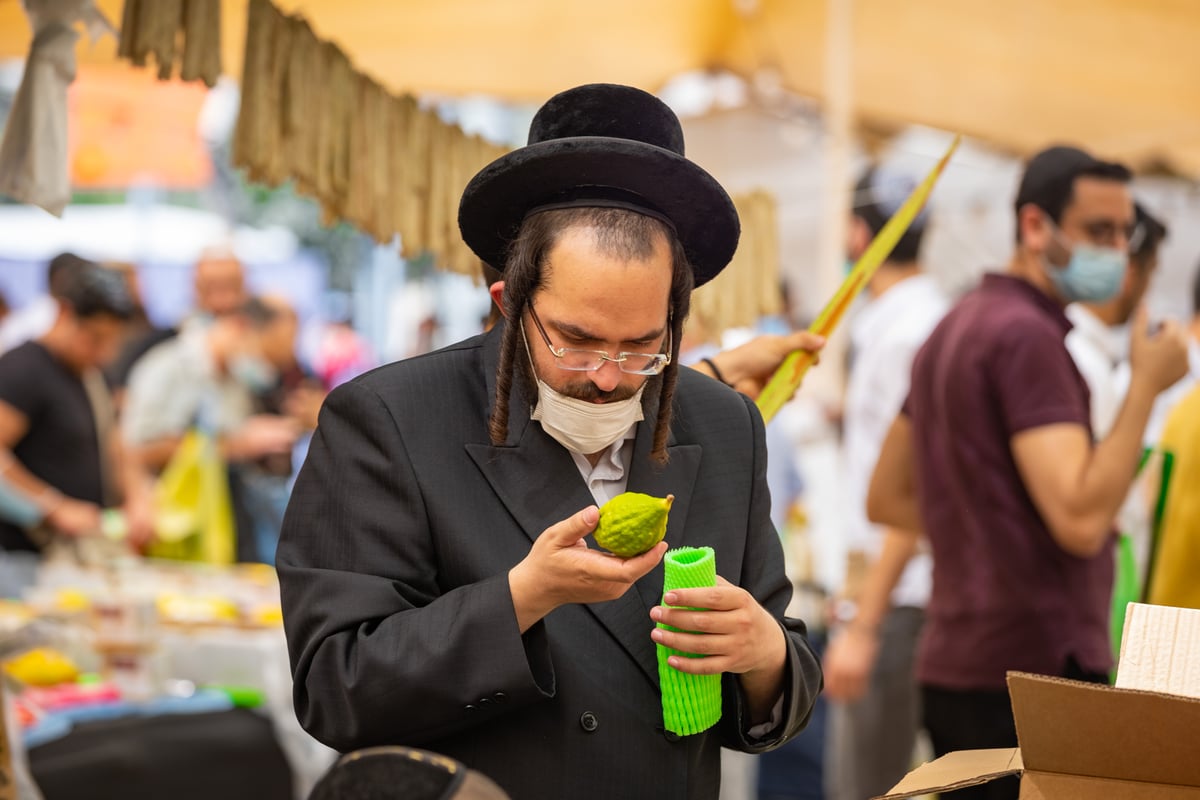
[
  {"x": 261, "y": 435},
  {"x": 1157, "y": 358},
  {"x": 74, "y": 517},
  {"x": 848, "y": 663},
  {"x": 562, "y": 569}
]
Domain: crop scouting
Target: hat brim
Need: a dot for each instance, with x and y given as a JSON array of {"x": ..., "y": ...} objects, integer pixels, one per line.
[{"x": 497, "y": 199}]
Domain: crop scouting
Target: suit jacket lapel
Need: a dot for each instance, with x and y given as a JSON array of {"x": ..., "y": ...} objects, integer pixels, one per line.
[
  {"x": 533, "y": 475},
  {"x": 677, "y": 477}
]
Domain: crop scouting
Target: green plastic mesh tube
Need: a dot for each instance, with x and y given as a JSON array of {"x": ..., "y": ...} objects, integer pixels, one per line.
[{"x": 691, "y": 703}]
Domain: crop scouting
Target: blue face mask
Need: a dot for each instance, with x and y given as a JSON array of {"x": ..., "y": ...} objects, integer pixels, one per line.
[
  {"x": 253, "y": 372},
  {"x": 1093, "y": 274}
]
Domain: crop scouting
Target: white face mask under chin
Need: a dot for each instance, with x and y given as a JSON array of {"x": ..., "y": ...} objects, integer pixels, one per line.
[{"x": 582, "y": 427}]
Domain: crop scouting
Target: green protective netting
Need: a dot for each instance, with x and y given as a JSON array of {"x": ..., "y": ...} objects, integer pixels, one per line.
[{"x": 691, "y": 703}]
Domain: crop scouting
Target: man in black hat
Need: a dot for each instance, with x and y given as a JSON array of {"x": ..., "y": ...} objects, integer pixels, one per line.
[
  {"x": 438, "y": 586},
  {"x": 993, "y": 457}
]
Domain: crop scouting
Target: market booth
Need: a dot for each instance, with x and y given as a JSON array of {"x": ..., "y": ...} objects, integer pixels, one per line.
[{"x": 163, "y": 678}]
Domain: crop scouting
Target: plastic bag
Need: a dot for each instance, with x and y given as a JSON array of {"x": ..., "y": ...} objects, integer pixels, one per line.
[{"x": 193, "y": 513}]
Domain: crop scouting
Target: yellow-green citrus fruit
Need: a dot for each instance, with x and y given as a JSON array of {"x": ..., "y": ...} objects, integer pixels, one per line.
[{"x": 631, "y": 523}]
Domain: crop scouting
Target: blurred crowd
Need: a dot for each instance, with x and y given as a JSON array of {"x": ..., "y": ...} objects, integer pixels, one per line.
[
  {"x": 1019, "y": 463},
  {"x": 95, "y": 402}
]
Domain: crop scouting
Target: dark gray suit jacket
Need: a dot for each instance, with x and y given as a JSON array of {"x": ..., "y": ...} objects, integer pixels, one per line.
[{"x": 393, "y": 563}]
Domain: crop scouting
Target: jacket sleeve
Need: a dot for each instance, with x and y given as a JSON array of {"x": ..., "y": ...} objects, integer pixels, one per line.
[
  {"x": 379, "y": 653},
  {"x": 764, "y": 577}
]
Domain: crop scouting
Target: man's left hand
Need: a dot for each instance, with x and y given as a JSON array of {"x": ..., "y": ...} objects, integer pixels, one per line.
[{"x": 733, "y": 633}]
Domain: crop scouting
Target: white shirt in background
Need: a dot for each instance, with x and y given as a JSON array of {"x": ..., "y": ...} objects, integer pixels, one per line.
[
  {"x": 885, "y": 335},
  {"x": 1102, "y": 354}
]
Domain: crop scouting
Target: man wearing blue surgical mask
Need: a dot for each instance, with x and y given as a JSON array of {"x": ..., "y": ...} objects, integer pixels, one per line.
[
  {"x": 993, "y": 457},
  {"x": 1099, "y": 340}
]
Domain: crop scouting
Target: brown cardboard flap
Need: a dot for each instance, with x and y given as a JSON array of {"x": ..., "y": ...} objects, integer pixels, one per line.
[
  {"x": 1084, "y": 729},
  {"x": 957, "y": 770},
  {"x": 1051, "y": 786}
]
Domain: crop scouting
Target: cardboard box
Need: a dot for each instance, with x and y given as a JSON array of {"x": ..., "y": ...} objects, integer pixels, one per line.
[{"x": 1082, "y": 741}]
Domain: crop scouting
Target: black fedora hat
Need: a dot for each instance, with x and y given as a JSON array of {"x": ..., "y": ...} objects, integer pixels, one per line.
[{"x": 602, "y": 145}]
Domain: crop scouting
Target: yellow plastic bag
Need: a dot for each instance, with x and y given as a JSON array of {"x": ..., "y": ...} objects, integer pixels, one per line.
[{"x": 193, "y": 513}]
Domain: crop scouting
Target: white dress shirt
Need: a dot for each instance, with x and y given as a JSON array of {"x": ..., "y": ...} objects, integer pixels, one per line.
[
  {"x": 1102, "y": 354},
  {"x": 886, "y": 334}
]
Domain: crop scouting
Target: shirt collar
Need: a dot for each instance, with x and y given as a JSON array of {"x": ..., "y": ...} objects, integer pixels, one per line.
[
  {"x": 1024, "y": 291},
  {"x": 1111, "y": 340},
  {"x": 611, "y": 464}
]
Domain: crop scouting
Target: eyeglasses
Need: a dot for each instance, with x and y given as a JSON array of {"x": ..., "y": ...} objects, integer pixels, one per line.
[
  {"x": 1108, "y": 233},
  {"x": 576, "y": 360}
]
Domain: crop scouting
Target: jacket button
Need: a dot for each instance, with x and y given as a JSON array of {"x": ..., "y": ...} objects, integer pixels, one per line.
[
  {"x": 470, "y": 708},
  {"x": 499, "y": 697},
  {"x": 588, "y": 721},
  {"x": 486, "y": 701}
]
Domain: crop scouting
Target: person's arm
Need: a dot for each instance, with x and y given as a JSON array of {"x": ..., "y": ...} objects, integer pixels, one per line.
[
  {"x": 749, "y": 366},
  {"x": 137, "y": 493},
  {"x": 64, "y": 514},
  {"x": 260, "y": 435},
  {"x": 152, "y": 418},
  {"x": 152, "y": 456},
  {"x": 892, "y": 497},
  {"x": 1078, "y": 488},
  {"x": 852, "y": 652}
]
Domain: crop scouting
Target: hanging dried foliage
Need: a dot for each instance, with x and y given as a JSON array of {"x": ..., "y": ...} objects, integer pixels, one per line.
[
  {"x": 749, "y": 287},
  {"x": 370, "y": 158},
  {"x": 378, "y": 161},
  {"x": 187, "y": 32}
]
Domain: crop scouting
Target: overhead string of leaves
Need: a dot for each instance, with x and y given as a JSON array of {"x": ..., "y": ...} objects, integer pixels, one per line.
[
  {"x": 183, "y": 33},
  {"x": 374, "y": 159}
]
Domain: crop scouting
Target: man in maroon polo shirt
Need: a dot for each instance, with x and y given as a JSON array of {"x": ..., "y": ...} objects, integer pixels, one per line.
[{"x": 993, "y": 457}]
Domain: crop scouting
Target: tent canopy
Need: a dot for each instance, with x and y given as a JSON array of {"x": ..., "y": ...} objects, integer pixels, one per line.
[{"x": 1118, "y": 76}]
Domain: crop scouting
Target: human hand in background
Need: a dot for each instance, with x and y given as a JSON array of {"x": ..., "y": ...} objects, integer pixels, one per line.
[
  {"x": 1159, "y": 356},
  {"x": 848, "y": 663},
  {"x": 74, "y": 517},
  {"x": 749, "y": 366}
]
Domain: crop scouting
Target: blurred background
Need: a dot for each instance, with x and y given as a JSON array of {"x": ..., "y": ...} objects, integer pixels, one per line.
[{"x": 786, "y": 102}]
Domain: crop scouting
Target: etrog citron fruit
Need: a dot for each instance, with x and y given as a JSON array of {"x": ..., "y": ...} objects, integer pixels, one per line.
[{"x": 631, "y": 523}]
